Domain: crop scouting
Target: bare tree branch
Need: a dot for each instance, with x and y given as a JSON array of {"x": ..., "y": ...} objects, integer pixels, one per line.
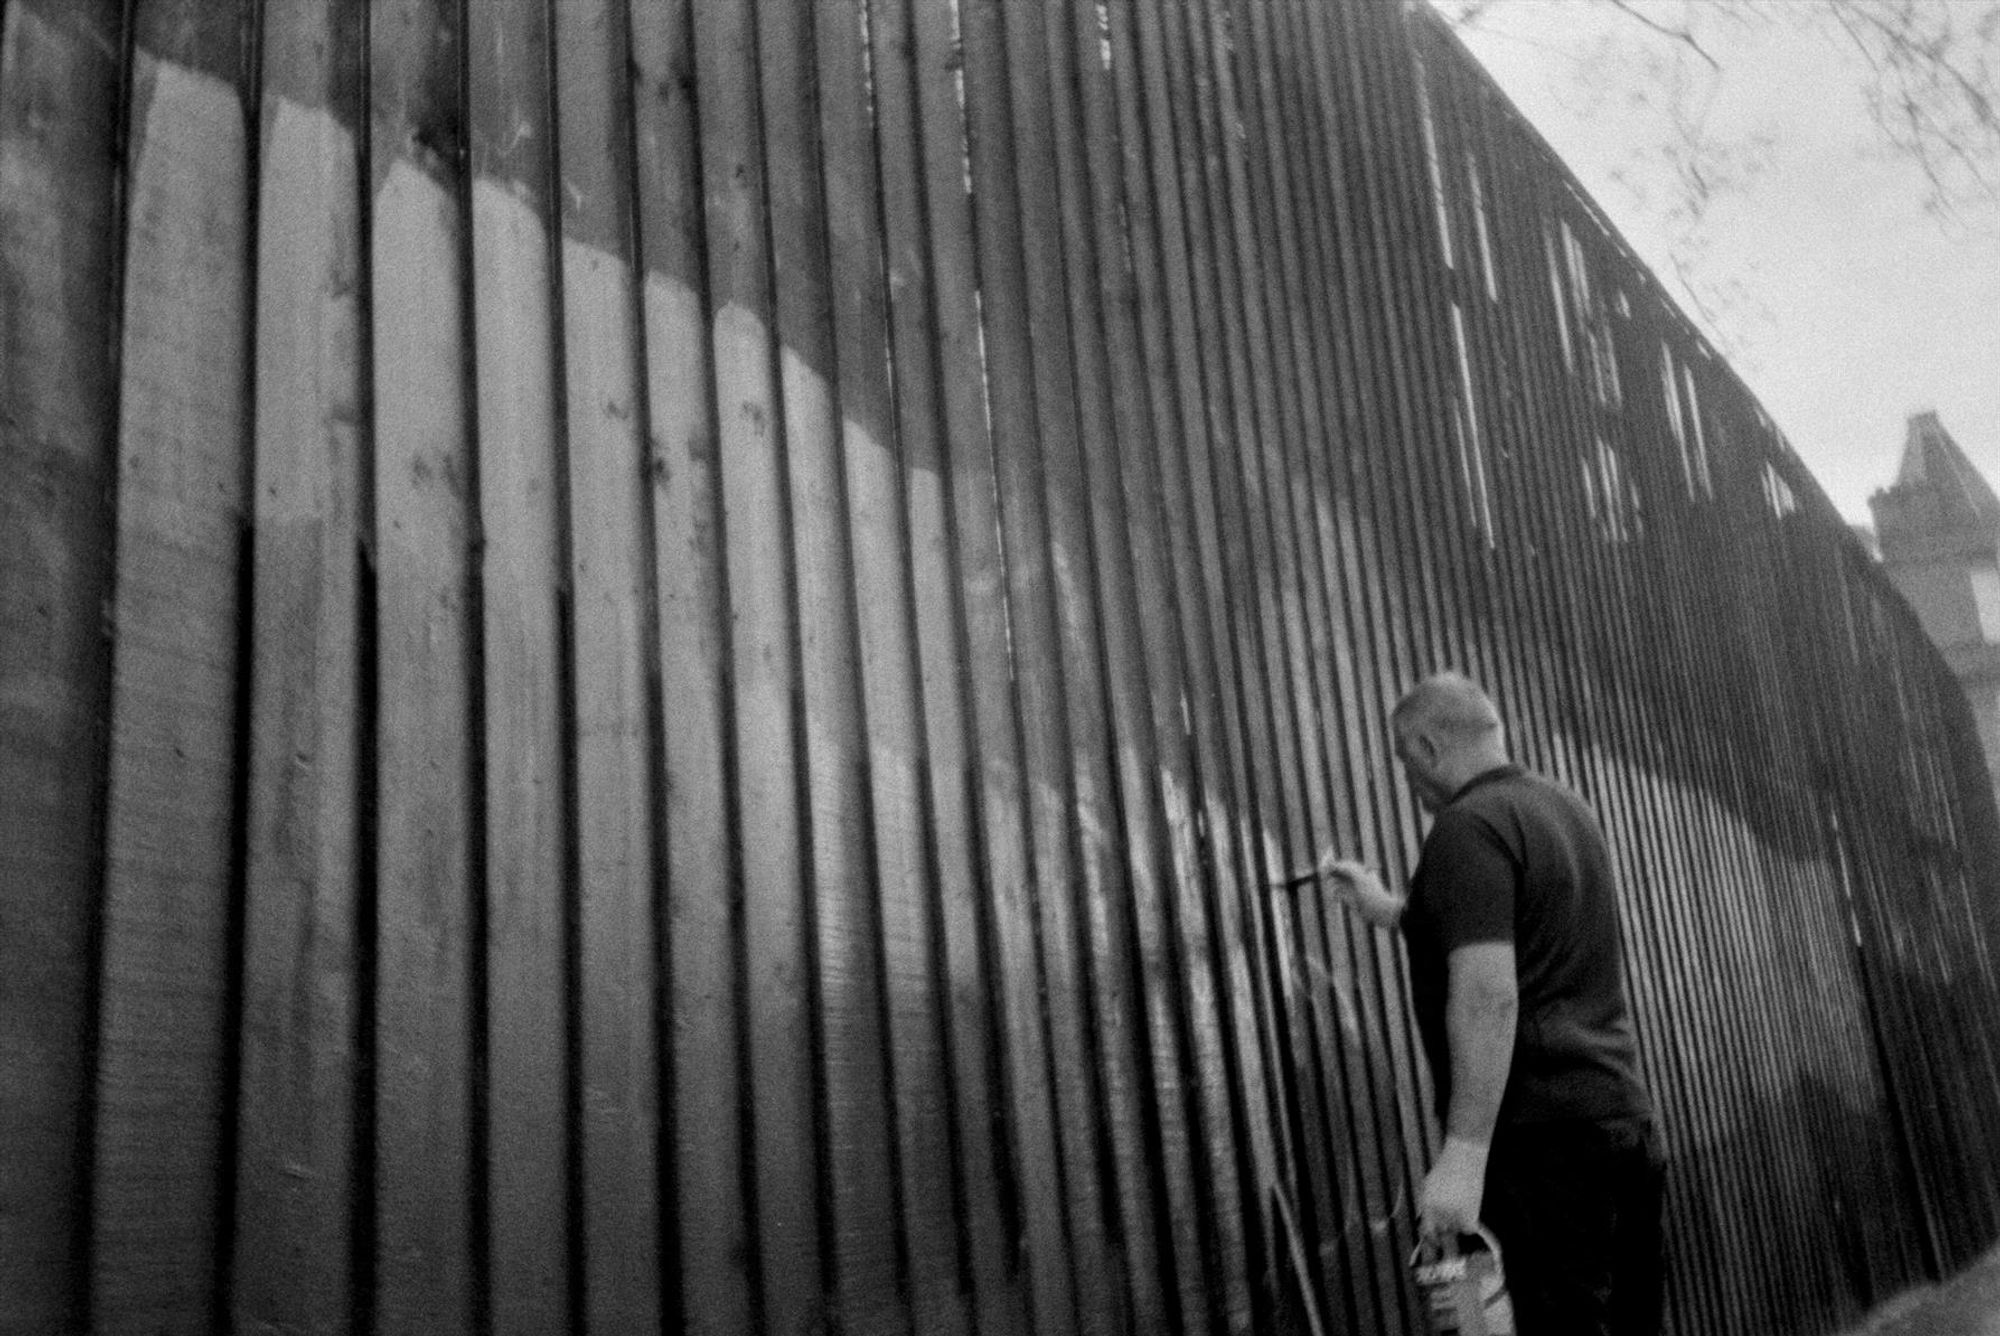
[
  {"x": 1932, "y": 85},
  {"x": 1934, "y": 90},
  {"x": 1685, "y": 36},
  {"x": 1928, "y": 73}
]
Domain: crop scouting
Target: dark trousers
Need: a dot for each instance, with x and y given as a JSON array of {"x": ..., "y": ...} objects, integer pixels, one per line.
[{"x": 1576, "y": 1207}]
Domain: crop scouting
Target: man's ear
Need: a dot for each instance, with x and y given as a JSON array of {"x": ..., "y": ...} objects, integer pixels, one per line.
[{"x": 1425, "y": 746}]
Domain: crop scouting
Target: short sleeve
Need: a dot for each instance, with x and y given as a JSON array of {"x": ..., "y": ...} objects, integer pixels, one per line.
[{"x": 1467, "y": 880}]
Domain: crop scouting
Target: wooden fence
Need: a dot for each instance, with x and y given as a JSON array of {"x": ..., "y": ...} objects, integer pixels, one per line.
[{"x": 653, "y": 654}]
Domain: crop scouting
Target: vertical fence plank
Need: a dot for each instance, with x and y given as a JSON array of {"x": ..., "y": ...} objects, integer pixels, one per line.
[
  {"x": 1389, "y": 645},
  {"x": 429, "y": 1256},
  {"x": 919, "y": 133},
  {"x": 1033, "y": 1169},
  {"x": 770, "y": 838},
  {"x": 617, "y": 1106},
  {"x": 1358, "y": 1040},
  {"x": 164, "y": 1106},
  {"x": 909, "y": 923},
  {"x": 1157, "y": 233},
  {"x": 1279, "y": 489},
  {"x": 59, "y": 248},
  {"x": 859, "y": 1199},
  {"x": 1395, "y": 638},
  {"x": 1229, "y": 735},
  {"x": 1149, "y": 1147},
  {"x": 299, "y": 1249},
  {"x": 1290, "y": 804},
  {"x": 1052, "y": 633},
  {"x": 707, "y": 1162},
  {"x": 1149, "y": 1097},
  {"x": 1352, "y": 539},
  {"x": 529, "y": 838},
  {"x": 1196, "y": 1075},
  {"x": 1189, "y": 728}
]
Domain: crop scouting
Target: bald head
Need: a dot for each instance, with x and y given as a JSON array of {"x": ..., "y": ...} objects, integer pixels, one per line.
[
  {"x": 1451, "y": 709},
  {"x": 1447, "y": 733}
]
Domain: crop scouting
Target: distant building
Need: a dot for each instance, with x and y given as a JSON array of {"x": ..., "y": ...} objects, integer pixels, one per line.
[{"x": 1938, "y": 532}]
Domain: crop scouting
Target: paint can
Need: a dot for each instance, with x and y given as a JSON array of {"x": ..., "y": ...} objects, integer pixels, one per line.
[{"x": 1463, "y": 1287}]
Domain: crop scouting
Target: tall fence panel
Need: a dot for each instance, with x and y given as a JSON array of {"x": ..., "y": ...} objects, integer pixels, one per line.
[{"x": 654, "y": 658}]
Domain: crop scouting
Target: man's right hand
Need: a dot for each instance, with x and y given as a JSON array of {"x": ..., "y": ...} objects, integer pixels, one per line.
[
  {"x": 1355, "y": 885},
  {"x": 1344, "y": 875}
]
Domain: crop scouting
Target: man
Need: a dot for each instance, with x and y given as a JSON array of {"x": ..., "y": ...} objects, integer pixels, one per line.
[{"x": 1511, "y": 925}]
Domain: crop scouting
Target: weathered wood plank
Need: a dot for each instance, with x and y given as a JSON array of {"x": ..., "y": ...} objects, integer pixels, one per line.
[
  {"x": 429, "y": 1253},
  {"x": 861, "y": 1186},
  {"x": 1032, "y": 1171},
  {"x": 1241, "y": 420},
  {"x": 59, "y": 248},
  {"x": 1146, "y": 207},
  {"x": 1053, "y": 621},
  {"x": 905, "y": 913},
  {"x": 766, "y": 758},
  {"x": 297, "y": 1245},
  {"x": 708, "y": 1166},
  {"x": 613, "y": 724},
  {"x": 1356, "y": 1072},
  {"x": 530, "y": 837},
  {"x": 1362, "y": 673},
  {"x": 1152, "y": 997},
  {"x": 165, "y": 1057},
  {"x": 919, "y": 261},
  {"x": 1403, "y": 640}
]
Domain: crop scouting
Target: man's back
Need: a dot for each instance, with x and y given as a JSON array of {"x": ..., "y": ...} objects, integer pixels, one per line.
[{"x": 1514, "y": 857}]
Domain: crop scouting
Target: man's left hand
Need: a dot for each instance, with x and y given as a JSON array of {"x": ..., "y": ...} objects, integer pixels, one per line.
[{"x": 1449, "y": 1204}]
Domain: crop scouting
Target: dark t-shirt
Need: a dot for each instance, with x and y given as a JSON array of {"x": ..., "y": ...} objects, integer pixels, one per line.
[{"x": 1517, "y": 858}]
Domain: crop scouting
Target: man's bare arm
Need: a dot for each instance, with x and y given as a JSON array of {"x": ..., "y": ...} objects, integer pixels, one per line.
[
  {"x": 1480, "y": 1010},
  {"x": 1481, "y": 1007}
]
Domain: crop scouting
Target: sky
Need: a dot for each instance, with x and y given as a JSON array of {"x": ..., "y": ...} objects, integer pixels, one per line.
[{"x": 1841, "y": 302}]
